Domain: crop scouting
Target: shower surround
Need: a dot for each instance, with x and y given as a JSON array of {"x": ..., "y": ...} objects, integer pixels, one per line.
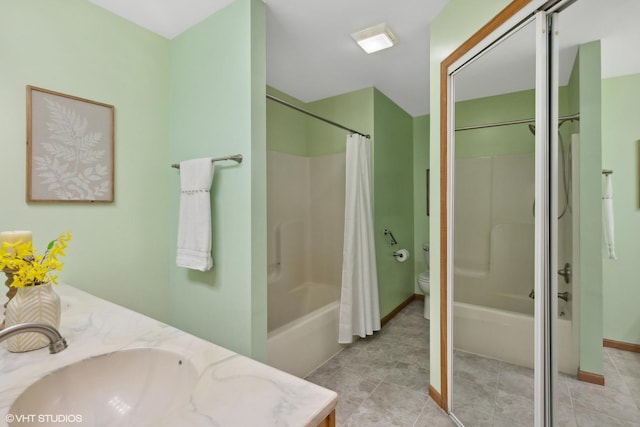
[
  {"x": 305, "y": 223},
  {"x": 493, "y": 262}
]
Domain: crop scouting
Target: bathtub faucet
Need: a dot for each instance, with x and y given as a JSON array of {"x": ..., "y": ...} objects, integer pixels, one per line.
[
  {"x": 562, "y": 295},
  {"x": 566, "y": 272}
]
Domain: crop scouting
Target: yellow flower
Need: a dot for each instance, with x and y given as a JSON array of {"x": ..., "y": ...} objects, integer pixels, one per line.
[{"x": 29, "y": 269}]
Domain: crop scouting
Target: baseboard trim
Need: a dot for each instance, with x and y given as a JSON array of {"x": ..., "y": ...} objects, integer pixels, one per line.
[
  {"x": 590, "y": 377},
  {"x": 435, "y": 395},
  {"x": 418, "y": 297},
  {"x": 621, "y": 345},
  {"x": 397, "y": 310}
]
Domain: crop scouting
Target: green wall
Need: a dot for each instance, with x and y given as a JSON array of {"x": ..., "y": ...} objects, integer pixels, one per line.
[
  {"x": 118, "y": 250},
  {"x": 287, "y": 129},
  {"x": 393, "y": 200},
  {"x": 457, "y": 21},
  {"x": 290, "y": 131},
  {"x": 215, "y": 111},
  {"x": 590, "y": 209},
  {"x": 506, "y": 140},
  {"x": 420, "y": 218},
  {"x": 258, "y": 144},
  {"x": 621, "y": 153},
  {"x": 173, "y": 101},
  {"x": 495, "y": 141},
  {"x": 354, "y": 110}
]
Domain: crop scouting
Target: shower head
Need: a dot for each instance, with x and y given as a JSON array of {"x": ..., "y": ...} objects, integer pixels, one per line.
[{"x": 532, "y": 129}]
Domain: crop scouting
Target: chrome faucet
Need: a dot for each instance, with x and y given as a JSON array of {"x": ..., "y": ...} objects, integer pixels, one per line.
[
  {"x": 566, "y": 272},
  {"x": 56, "y": 342},
  {"x": 562, "y": 295}
]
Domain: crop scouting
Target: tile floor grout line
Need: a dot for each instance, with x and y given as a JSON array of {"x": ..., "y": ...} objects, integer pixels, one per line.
[
  {"x": 420, "y": 414},
  {"x": 572, "y": 406},
  {"x": 403, "y": 335}
]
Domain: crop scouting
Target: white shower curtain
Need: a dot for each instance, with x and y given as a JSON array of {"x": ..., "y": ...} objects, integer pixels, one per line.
[{"x": 359, "y": 309}]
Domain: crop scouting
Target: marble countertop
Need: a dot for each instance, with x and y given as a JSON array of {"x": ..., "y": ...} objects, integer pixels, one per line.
[{"x": 232, "y": 390}]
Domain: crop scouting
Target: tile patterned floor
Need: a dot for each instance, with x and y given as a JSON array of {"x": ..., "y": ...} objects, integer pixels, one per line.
[
  {"x": 382, "y": 382},
  {"x": 489, "y": 392}
]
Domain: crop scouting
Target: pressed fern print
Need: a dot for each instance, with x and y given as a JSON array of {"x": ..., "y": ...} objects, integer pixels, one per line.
[{"x": 72, "y": 167}]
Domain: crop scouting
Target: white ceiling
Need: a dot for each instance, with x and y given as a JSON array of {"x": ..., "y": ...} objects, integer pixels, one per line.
[
  {"x": 311, "y": 56},
  {"x": 310, "y": 53},
  {"x": 167, "y": 18},
  {"x": 510, "y": 66}
]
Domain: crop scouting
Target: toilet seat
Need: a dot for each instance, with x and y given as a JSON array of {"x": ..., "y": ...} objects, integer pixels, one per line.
[{"x": 424, "y": 281}]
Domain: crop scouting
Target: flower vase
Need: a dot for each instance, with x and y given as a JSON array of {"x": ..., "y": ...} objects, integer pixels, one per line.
[
  {"x": 39, "y": 304},
  {"x": 10, "y": 293}
]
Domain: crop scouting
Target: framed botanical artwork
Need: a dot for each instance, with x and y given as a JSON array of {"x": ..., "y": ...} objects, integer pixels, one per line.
[{"x": 69, "y": 148}]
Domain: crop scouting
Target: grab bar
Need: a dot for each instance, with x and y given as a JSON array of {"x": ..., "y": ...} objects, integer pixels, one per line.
[{"x": 389, "y": 234}]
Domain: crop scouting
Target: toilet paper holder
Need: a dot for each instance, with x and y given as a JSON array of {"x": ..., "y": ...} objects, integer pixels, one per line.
[{"x": 401, "y": 255}]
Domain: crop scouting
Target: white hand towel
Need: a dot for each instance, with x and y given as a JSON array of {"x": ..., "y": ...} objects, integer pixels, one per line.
[
  {"x": 607, "y": 204},
  {"x": 194, "y": 224}
]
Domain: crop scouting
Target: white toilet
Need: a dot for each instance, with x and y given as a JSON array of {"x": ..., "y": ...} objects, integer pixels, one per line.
[{"x": 424, "y": 281}]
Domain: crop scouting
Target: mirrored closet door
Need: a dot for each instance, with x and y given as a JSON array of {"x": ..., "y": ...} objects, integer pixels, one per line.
[
  {"x": 493, "y": 170},
  {"x": 506, "y": 266},
  {"x": 538, "y": 127}
]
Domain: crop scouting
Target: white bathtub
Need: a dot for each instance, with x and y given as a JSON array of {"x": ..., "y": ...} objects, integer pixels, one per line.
[
  {"x": 303, "y": 327},
  {"x": 508, "y": 336}
]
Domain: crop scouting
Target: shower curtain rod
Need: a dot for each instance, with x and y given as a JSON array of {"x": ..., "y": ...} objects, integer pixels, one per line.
[
  {"x": 561, "y": 120},
  {"x": 309, "y": 113}
]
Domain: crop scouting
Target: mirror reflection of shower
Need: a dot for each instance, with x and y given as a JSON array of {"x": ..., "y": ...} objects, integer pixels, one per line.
[
  {"x": 494, "y": 226},
  {"x": 566, "y": 169}
]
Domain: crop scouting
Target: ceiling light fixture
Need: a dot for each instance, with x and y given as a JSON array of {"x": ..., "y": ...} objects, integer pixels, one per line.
[{"x": 375, "y": 38}]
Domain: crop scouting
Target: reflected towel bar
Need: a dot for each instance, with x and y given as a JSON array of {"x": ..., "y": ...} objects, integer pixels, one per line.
[
  {"x": 235, "y": 158},
  {"x": 607, "y": 171}
]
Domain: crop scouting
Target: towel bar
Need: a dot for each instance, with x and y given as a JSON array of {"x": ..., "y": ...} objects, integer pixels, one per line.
[{"x": 235, "y": 158}]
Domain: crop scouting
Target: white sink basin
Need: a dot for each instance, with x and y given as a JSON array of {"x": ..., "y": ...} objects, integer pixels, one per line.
[{"x": 139, "y": 387}]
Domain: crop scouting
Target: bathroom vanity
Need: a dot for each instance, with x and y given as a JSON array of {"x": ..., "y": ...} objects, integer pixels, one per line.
[{"x": 148, "y": 373}]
